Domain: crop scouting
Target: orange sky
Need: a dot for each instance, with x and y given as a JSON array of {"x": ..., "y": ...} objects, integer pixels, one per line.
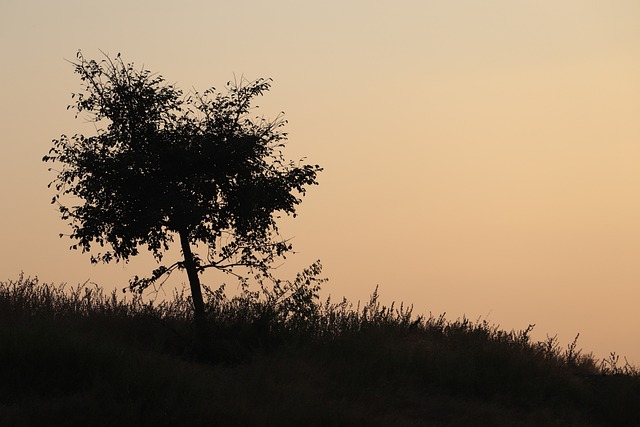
[{"x": 480, "y": 158}]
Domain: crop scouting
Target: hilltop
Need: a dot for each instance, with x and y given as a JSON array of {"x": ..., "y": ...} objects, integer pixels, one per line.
[{"x": 80, "y": 356}]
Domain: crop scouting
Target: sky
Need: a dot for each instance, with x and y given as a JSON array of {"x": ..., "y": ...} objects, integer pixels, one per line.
[{"x": 480, "y": 157}]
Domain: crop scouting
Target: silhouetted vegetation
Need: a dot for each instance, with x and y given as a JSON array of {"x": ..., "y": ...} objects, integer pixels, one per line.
[
  {"x": 162, "y": 165},
  {"x": 79, "y": 356}
]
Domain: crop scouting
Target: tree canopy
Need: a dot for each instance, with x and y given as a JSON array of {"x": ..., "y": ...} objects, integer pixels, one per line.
[{"x": 200, "y": 166}]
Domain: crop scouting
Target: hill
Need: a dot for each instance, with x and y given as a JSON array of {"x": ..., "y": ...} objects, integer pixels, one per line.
[{"x": 79, "y": 356}]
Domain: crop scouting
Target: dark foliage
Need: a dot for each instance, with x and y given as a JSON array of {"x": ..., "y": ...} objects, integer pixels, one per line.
[
  {"x": 162, "y": 164},
  {"x": 79, "y": 356}
]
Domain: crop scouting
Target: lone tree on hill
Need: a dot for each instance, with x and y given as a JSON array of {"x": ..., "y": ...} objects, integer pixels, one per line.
[{"x": 199, "y": 167}]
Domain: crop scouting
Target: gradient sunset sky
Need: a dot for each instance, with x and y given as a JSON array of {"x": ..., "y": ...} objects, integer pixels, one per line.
[{"x": 482, "y": 158}]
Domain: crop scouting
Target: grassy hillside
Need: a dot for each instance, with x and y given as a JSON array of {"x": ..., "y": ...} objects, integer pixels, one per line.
[{"x": 82, "y": 357}]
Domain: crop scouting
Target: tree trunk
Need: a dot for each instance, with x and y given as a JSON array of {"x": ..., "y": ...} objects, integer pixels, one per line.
[{"x": 196, "y": 291}]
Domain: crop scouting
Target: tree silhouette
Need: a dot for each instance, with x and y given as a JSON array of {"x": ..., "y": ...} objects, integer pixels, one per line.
[{"x": 161, "y": 165}]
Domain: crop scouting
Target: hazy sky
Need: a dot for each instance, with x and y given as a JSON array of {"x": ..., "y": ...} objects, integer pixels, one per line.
[{"x": 481, "y": 157}]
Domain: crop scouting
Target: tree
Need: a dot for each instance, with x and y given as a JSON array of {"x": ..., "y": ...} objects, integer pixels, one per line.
[{"x": 162, "y": 165}]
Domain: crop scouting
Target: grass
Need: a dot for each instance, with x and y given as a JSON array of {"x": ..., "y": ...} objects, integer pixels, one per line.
[{"x": 79, "y": 356}]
